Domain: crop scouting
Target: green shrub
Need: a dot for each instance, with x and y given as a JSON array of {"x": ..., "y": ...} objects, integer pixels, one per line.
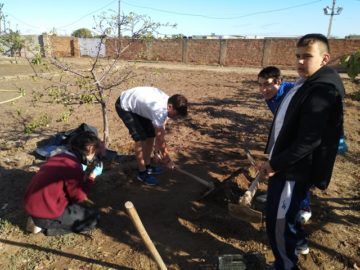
[{"x": 351, "y": 63}]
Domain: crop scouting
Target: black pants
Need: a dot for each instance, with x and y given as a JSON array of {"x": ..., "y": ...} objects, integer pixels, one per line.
[
  {"x": 284, "y": 232},
  {"x": 76, "y": 218}
]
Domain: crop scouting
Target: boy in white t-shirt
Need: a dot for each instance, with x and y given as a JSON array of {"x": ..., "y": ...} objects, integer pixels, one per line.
[{"x": 144, "y": 111}]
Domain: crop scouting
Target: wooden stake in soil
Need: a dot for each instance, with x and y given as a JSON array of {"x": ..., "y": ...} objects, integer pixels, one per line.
[{"x": 130, "y": 209}]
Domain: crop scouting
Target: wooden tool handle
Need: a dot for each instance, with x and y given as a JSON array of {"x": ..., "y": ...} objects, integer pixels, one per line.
[
  {"x": 250, "y": 158},
  {"x": 249, "y": 194},
  {"x": 200, "y": 180},
  {"x": 130, "y": 209}
]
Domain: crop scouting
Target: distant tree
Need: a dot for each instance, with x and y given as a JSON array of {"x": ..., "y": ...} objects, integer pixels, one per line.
[
  {"x": 177, "y": 36},
  {"x": 82, "y": 33},
  {"x": 12, "y": 43},
  {"x": 53, "y": 32}
]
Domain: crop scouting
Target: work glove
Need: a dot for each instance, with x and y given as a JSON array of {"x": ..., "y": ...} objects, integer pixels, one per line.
[
  {"x": 170, "y": 164},
  {"x": 97, "y": 170},
  {"x": 84, "y": 167}
]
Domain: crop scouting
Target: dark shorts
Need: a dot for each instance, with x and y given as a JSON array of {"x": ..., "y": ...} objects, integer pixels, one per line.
[
  {"x": 76, "y": 218},
  {"x": 140, "y": 128}
]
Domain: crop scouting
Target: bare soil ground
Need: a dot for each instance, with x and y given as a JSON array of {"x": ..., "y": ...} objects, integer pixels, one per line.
[{"x": 227, "y": 115}]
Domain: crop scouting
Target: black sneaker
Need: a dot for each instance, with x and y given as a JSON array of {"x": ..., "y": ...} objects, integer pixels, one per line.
[{"x": 147, "y": 179}]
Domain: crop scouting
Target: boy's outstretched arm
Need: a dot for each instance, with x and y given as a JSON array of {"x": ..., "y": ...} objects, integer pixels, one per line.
[{"x": 160, "y": 146}]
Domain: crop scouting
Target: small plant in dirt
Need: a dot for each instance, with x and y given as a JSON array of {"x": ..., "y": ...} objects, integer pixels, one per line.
[
  {"x": 35, "y": 124},
  {"x": 64, "y": 116},
  {"x": 36, "y": 60},
  {"x": 30, "y": 126},
  {"x": 59, "y": 95},
  {"x": 87, "y": 98}
]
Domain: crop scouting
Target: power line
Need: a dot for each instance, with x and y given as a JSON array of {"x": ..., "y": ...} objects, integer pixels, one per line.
[
  {"x": 72, "y": 23},
  {"x": 17, "y": 19},
  {"x": 92, "y": 12},
  {"x": 222, "y": 18}
]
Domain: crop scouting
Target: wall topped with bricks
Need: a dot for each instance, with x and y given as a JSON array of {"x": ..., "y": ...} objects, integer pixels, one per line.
[{"x": 231, "y": 52}]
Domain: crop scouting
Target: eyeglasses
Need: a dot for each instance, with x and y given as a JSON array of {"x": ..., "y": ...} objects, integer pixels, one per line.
[{"x": 266, "y": 83}]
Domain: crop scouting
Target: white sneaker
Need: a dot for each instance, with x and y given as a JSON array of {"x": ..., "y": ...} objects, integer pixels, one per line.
[
  {"x": 302, "y": 249},
  {"x": 261, "y": 198},
  {"x": 304, "y": 215},
  {"x": 31, "y": 227}
]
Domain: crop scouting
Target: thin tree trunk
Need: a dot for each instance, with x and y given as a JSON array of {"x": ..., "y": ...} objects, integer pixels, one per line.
[{"x": 105, "y": 123}]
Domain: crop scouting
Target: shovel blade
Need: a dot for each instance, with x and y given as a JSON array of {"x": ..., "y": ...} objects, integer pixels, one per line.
[{"x": 244, "y": 213}]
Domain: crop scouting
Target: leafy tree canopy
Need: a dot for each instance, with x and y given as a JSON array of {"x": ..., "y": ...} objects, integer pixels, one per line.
[{"x": 82, "y": 33}]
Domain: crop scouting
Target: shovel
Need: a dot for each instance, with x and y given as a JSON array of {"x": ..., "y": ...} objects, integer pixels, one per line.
[
  {"x": 209, "y": 185},
  {"x": 218, "y": 191},
  {"x": 243, "y": 210},
  {"x": 200, "y": 180}
]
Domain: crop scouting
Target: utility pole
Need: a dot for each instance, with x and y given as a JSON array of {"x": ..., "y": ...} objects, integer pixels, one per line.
[
  {"x": 331, "y": 11},
  {"x": 118, "y": 20},
  {"x": 119, "y": 30},
  {"x": 1, "y": 15},
  {"x": 4, "y": 21}
]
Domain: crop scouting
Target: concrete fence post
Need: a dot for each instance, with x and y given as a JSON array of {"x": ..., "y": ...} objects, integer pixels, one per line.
[
  {"x": 223, "y": 49},
  {"x": 185, "y": 51},
  {"x": 266, "y": 52}
]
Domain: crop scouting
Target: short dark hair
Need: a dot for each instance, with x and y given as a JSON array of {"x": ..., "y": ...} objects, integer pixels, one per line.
[
  {"x": 270, "y": 72},
  {"x": 82, "y": 140},
  {"x": 179, "y": 103},
  {"x": 310, "y": 39}
]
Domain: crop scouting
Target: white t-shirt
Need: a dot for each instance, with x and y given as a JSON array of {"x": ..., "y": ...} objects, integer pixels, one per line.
[{"x": 148, "y": 102}]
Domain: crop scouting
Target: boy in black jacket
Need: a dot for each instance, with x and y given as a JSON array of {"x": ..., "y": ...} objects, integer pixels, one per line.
[{"x": 302, "y": 145}]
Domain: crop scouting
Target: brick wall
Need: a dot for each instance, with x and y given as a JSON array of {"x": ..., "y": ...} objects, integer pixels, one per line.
[
  {"x": 279, "y": 52},
  {"x": 133, "y": 50},
  {"x": 244, "y": 52},
  {"x": 231, "y": 52},
  {"x": 165, "y": 50},
  {"x": 203, "y": 52},
  {"x": 341, "y": 47},
  {"x": 61, "y": 46}
]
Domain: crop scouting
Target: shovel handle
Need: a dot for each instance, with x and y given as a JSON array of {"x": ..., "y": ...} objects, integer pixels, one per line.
[
  {"x": 130, "y": 209},
  {"x": 200, "y": 180},
  {"x": 197, "y": 178},
  {"x": 250, "y": 158},
  {"x": 249, "y": 194}
]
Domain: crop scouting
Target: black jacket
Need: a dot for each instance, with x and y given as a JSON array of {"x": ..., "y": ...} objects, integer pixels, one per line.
[{"x": 307, "y": 143}]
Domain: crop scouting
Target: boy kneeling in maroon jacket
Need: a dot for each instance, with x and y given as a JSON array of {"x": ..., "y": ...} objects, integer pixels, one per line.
[{"x": 54, "y": 195}]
